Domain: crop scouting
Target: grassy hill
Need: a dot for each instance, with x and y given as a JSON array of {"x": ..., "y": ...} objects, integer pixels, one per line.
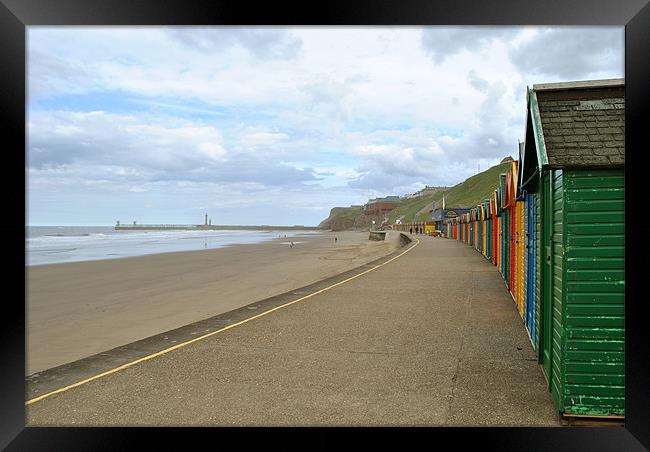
[
  {"x": 412, "y": 207},
  {"x": 466, "y": 194},
  {"x": 475, "y": 189}
]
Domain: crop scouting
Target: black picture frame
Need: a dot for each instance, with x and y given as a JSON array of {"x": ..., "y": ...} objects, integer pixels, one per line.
[{"x": 15, "y": 15}]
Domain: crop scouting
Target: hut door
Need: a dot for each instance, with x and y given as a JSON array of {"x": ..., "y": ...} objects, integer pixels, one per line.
[
  {"x": 547, "y": 275},
  {"x": 530, "y": 266}
]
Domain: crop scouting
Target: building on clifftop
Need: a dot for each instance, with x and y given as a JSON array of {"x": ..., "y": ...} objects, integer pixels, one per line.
[{"x": 380, "y": 206}]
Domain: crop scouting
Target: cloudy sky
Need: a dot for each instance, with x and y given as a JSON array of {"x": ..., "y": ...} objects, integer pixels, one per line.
[{"x": 277, "y": 125}]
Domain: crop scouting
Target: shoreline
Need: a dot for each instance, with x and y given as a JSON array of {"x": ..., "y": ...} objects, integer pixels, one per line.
[
  {"x": 77, "y": 309},
  {"x": 125, "y": 246}
]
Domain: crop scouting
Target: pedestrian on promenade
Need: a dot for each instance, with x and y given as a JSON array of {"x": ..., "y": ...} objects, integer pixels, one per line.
[
  {"x": 336, "y": 239},
  {"x": 411, "y": 230}
]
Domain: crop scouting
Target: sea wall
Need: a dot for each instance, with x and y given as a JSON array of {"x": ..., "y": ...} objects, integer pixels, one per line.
[
  {"x": 404, "y": 239},
  {"x": 377, "y": 235},
  {"x": 390, "y": 235}
]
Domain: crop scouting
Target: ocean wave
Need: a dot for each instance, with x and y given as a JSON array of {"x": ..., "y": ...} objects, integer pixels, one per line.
[
  {"x": 68, "y": 235},
  {"x": 54, "y": 247}
]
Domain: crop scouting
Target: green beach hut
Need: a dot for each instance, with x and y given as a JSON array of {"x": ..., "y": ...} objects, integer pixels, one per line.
[{"x": 573, "y": 160}]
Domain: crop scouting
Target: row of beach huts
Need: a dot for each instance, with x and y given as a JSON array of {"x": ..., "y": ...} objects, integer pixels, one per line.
[{"x": 555, "y": 230}]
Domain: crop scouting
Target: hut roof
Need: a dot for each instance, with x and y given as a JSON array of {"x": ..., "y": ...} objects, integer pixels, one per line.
[{"x": 574, "y": 125}]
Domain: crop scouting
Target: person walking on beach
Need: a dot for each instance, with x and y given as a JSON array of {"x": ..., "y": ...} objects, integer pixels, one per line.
[
  {"x": 336, "y": 239},
  {"x": 291, "y": 245}
]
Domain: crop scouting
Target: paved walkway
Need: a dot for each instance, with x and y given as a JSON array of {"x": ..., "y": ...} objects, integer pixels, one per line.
[{"x": 431, "y": 338}]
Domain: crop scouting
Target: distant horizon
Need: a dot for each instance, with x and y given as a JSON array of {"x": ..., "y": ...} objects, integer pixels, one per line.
[
  {"x": 262, "y": 124},
  {"x": 128, "y": 223}
]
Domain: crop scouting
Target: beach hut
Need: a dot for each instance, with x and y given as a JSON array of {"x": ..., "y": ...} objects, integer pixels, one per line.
[
  {"x": 519, "y": 256},
  {"x": 463, "y": 227},
  {"x": 499, "y": 222},
  {"x": 573, "y": 161},
  {"x": 505, "y": 230},
  {"x": 493, "y": 230},
  {"x": 479, "y": 231},
  {"x": 483, "y": 213},
  {"x": 460, "y": 228},
  {"x": 472, "y": 241},
  {"x": 488, "y": 230},
  {"x": 531, "y": 266},
  {"x": 481, "y": 222},
  {"x": 463, "y": 221},
  {"x": 528, "y": 244},
  {"x": 476, "y": 231},
  {"x": 518, "y": 242},
  {"x": 512, "y": 231}
]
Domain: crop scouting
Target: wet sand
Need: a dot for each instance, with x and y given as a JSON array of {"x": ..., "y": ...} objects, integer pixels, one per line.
[{"x": 75, "y": 310}]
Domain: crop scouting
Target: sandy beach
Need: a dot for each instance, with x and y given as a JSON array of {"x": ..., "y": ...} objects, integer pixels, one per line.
[{"x": 75, "y": 310}]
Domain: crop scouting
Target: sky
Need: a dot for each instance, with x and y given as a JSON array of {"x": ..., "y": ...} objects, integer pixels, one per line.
[{"x": 277, "y": 125}]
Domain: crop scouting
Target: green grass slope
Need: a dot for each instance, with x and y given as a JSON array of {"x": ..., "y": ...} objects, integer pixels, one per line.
[
  {"x": 464, "y": 195},
  {"x": 475, "y": 189}
]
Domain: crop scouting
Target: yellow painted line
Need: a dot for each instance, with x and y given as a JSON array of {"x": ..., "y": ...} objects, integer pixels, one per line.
[{"x": 167, "y": 350}]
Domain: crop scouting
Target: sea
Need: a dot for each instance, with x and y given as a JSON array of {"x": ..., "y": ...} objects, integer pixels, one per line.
[{"x": 60, "y": 244}]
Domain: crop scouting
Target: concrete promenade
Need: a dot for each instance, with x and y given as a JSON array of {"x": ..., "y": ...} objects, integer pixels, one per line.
[{"x": 430, "y": 338}]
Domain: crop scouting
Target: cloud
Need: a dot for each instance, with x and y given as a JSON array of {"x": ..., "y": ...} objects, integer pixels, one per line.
[
  {"x": 63, "y": 137},
  {"x": 218, "y": 65},
  {"x": 47, "y": 74},
  {"x": 477, "y": 82},
  {"x": 261, "y": 42},
  {"x": 324, "y": 116},
  {"x": 260, "y": 137},
  {"x": 136, "y": 149},
  {"x": 565, "y": 53},
  {"x": 443, "y": 42},
  {"x": 389, "y": 166},
  {"x": 428, "y": 157},
  {"x": 570, "y": 53}
]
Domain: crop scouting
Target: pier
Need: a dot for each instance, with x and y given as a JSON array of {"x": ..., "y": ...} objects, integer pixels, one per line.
[
  {"x": 158, "y": 227},
  {"x": 206, "y": 226},
  {"x": 201, "y": 227}
]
